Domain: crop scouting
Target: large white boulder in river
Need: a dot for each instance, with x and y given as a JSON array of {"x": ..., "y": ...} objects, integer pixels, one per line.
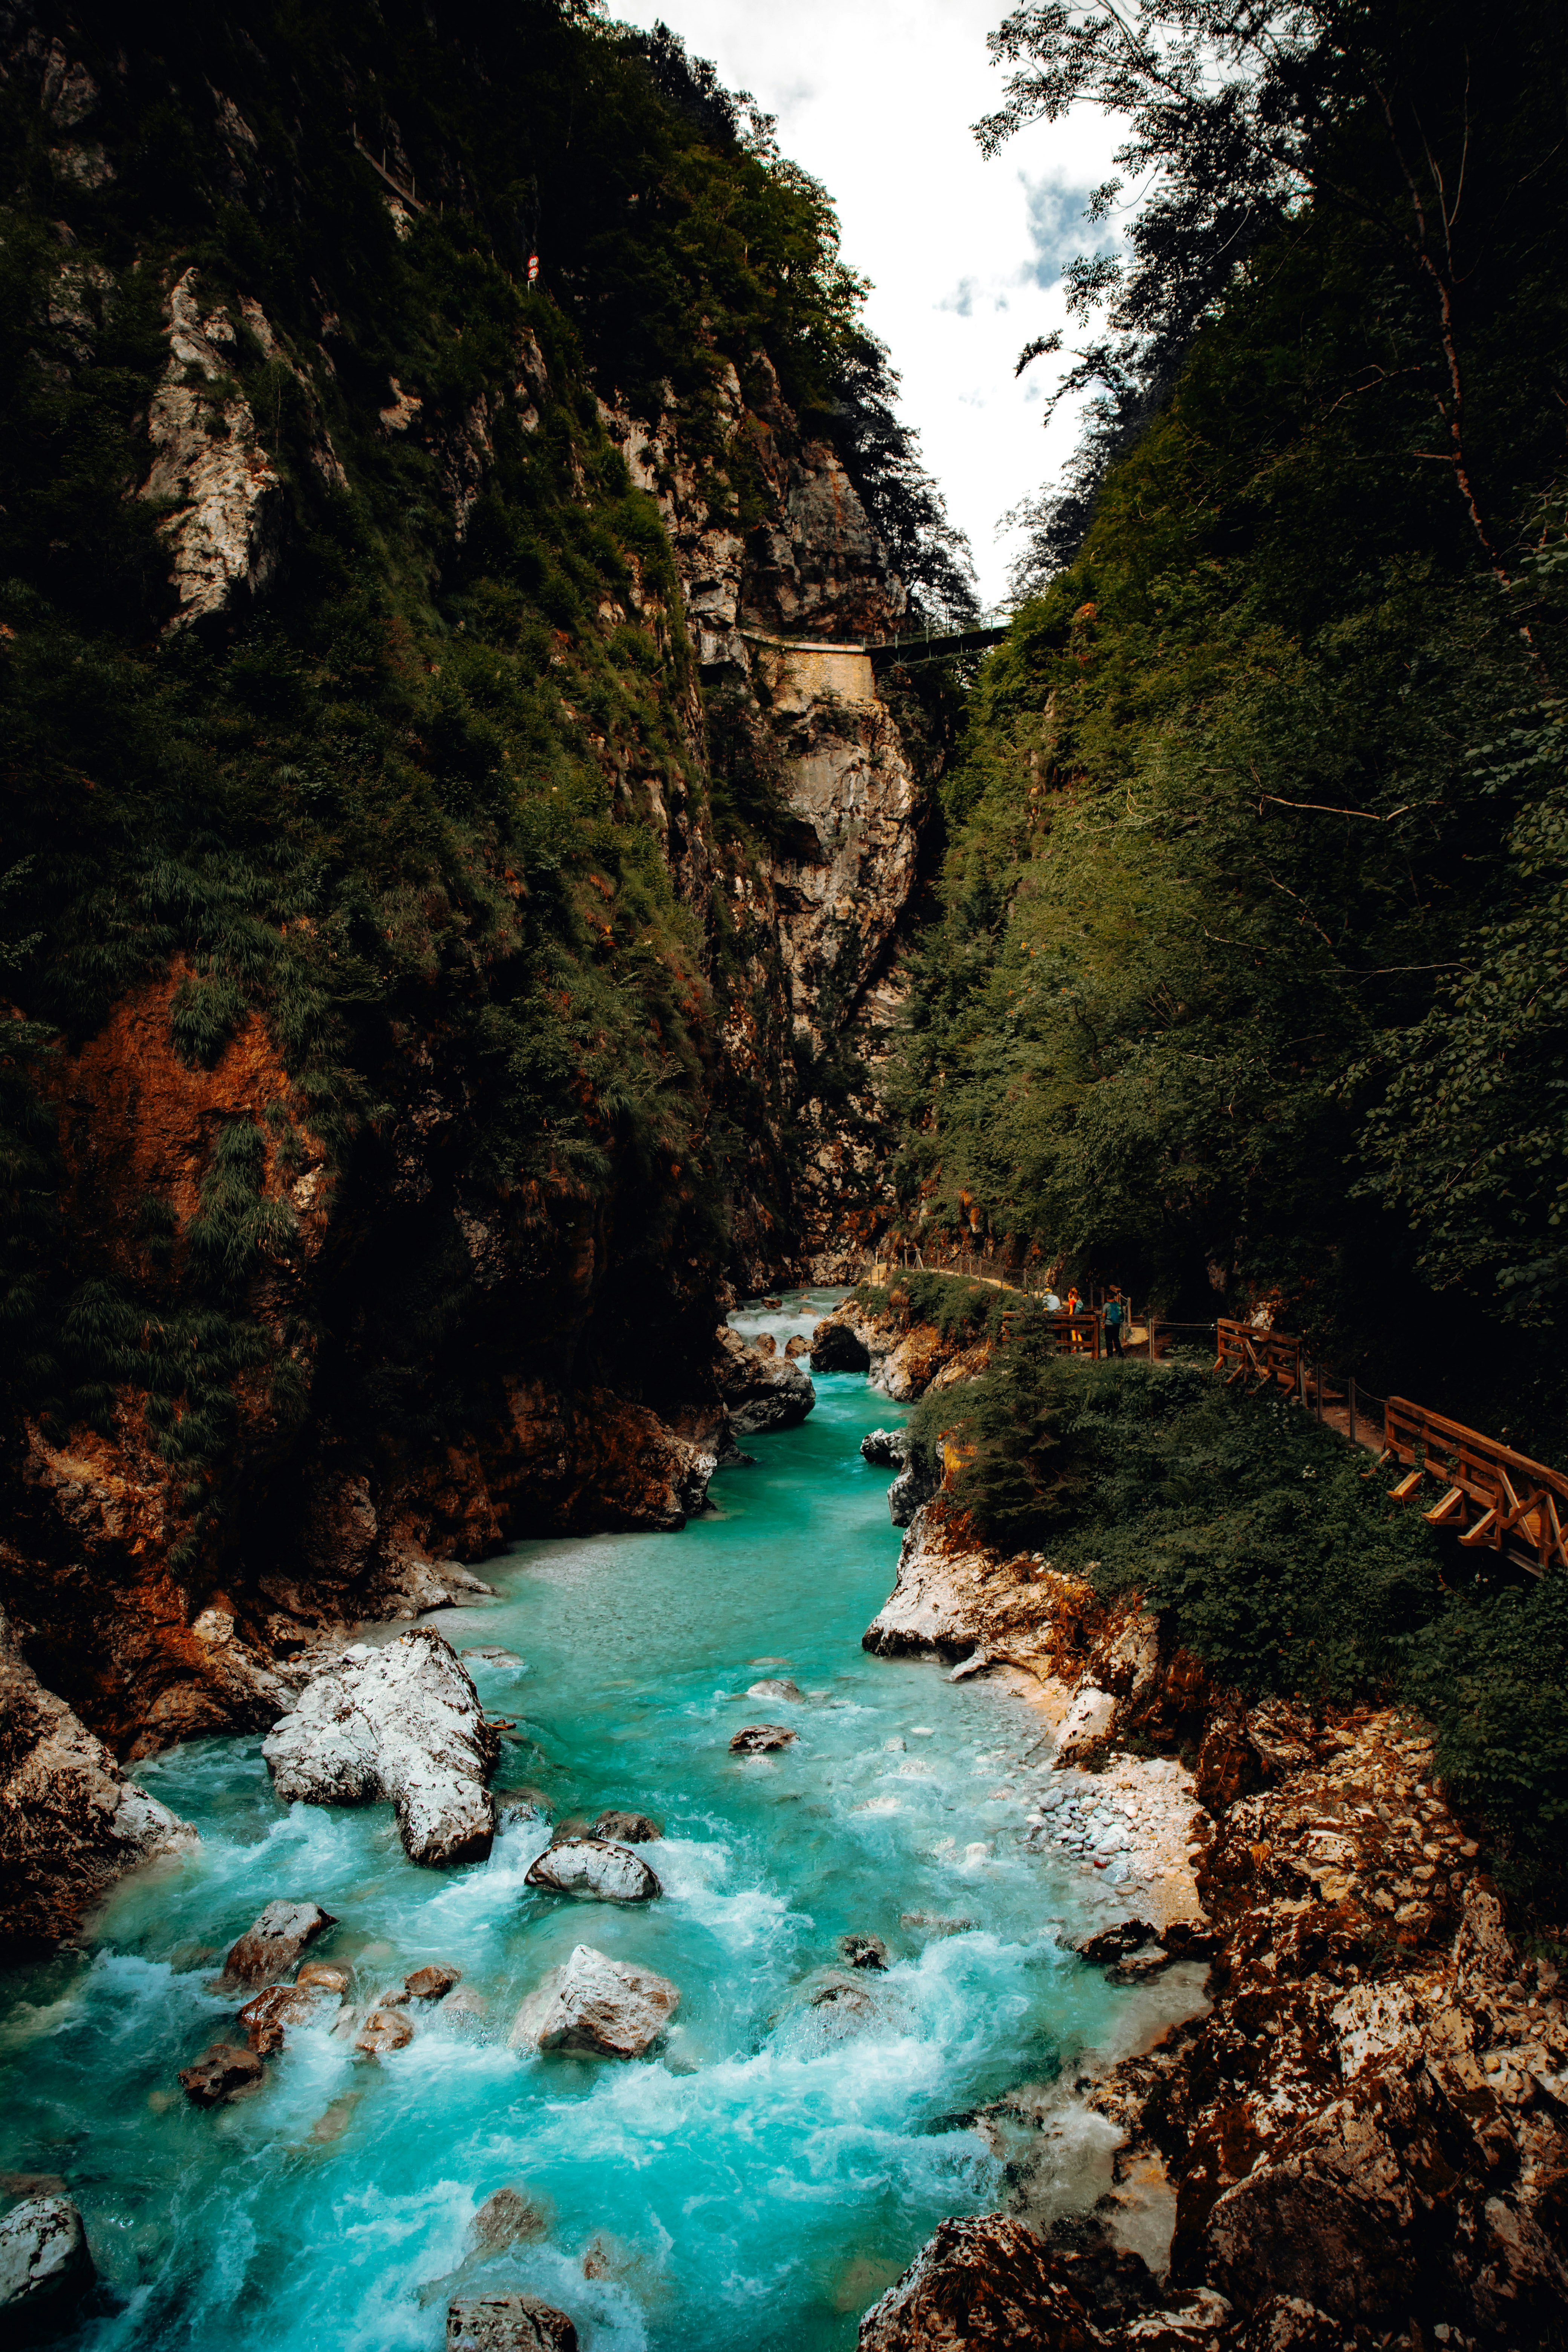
[
  {"x": 590, "y": 1865},
  {"x": 45, "y": 2265},
  {"x": 403, "y": 1722},
  {"x": 592, "y": 2003}
]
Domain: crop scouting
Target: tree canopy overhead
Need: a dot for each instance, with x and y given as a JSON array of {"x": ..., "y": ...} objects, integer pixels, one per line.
[
  {"x": 1426, "y": 129},
  {"x": 1250, "y": 979}
]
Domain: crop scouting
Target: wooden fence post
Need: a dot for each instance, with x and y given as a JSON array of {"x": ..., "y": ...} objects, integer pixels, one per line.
[{"x": 1350, "y": 1399}]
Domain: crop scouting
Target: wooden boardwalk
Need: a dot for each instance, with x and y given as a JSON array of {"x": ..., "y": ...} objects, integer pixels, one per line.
[{"x": 1492, "y": 1497}]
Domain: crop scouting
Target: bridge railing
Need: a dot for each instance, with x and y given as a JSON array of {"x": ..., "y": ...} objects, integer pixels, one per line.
[
  {"x": 935, "y": 633},
  {"x": 1493, "y": 1498}
]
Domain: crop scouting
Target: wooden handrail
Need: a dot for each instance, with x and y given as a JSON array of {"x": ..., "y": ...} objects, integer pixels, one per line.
[
  {"x": 1517, "y": 1501},
  {"x": 1077, "y": 1335},
  {"x": 1494, "y": 1497},
  {"x": 1273, "y": 1358}
]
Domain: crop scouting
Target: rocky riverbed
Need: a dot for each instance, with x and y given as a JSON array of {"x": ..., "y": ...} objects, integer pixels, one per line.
[
  {"x": 821, "y": 1961},
  {"x": 1364, "y": 2138},
  {"x": 760, "y": 1902}
]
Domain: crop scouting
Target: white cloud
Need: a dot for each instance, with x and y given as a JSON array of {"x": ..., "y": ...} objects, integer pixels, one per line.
[{"x": 964, "y": 256}]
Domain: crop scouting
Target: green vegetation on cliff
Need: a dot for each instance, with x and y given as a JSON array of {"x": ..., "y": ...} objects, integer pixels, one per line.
[
  {"x": 1275, "y": 1555},
  {"x": 388, "y": 789},
  {"x": 1249, "y": 977}
]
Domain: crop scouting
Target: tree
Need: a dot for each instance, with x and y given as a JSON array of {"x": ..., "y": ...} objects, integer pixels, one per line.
[{"x": 1426, "y": 126}]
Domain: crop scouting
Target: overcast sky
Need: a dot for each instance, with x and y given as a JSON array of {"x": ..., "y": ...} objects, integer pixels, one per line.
[{"x": 876, "y": 98}]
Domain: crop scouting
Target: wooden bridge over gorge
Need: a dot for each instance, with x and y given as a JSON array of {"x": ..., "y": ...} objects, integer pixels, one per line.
[
  {"x": 849, "y": 668},
  {"x": 1493, "y": 1498}
]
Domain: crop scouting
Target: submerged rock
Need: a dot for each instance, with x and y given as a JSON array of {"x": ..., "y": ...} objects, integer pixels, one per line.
[
  {"x": 592, "y": 2003},
  {"x": 759, "y": 1392},
  {"x": 758, "y": 1738},
  {"x": 840, "y": 2005},
  {"x": 275, "y": 1942},
  {"x": 864, "y": 1951},
  {"x": 384, "y": 2028},
  {"x": 507, "y": 2219},
  {"x": 593, "y": 1865},
  {"x": 626, "y": 1829},
  {"x": 318, "y": 1972},
  {"x": 224, "y": 2072},
  {"x": 432, "y": 1983},
  {"x": 520, "y": 1805},
  {"x": 403, "y": 1722},
  {"x": 777, "y": 1687},
  {"x": 508, "y": 2322},
  {"x": 46, "y": 2265}
]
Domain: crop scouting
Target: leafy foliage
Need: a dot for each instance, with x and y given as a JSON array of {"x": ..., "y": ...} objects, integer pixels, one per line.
[
  {"x": 1381, "y": 115},
  {"x": 966, "y": 1311},
  {"x": 1246, "y": 980},
  {"x": 1021, "y": 1479},
  {"x": 1274, "y": 1553},
  {"x": 396, "y": 815}
]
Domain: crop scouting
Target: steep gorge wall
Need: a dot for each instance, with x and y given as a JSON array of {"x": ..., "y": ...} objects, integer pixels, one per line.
[
  {"x": 808, "y": 924},
  {"x": 411, "y": 1035}
]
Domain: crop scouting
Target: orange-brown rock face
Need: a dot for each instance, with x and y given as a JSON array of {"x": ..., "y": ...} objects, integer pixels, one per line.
[
  {"x": 164, "y": 1587},
  {"x": 138, "y": 1123},
  {"x": 69, "y": 1821}
]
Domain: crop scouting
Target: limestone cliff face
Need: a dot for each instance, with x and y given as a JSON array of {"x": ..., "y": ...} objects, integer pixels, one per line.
[
  {"x": 393, "y": 1115},
  {"x": 778, "y": 616}
]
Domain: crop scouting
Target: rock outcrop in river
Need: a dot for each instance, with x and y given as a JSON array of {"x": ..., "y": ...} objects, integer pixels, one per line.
[
  {"x": 45, "y": 2266},
  {"x": 508, "y": 2322},
  {"x": 762, "y": 1388},
  {"x": 594, "y": 1866},
  {"x": 595, "y": 2003},
  {"x": 405, "y": 1722}
]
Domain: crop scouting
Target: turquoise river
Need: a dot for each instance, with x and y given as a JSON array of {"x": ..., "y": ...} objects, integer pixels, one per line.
[{"x": 763, "y": 2177}]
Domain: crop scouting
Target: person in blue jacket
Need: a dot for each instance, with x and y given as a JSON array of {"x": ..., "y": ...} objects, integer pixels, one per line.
[{"x": 1114, "y": 1317}]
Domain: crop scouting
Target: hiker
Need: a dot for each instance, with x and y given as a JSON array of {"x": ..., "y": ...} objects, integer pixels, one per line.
[
  {"x": 1053, "y": 1304},
  {"x": 1072, "y": 1299},
  {"x": 1115, "y": 1316}
]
